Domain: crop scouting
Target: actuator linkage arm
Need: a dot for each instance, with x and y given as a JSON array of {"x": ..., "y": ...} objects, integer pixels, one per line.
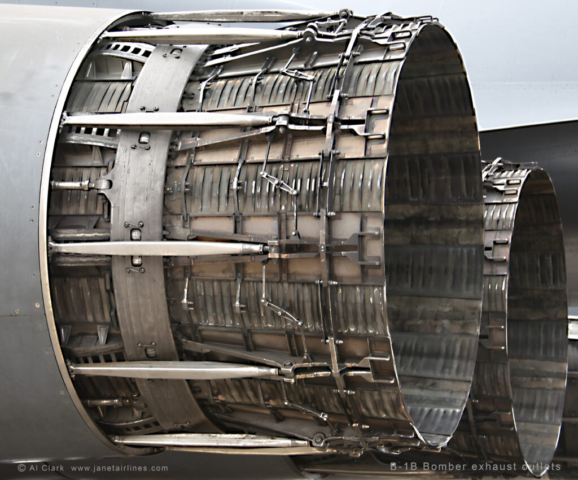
[{"x": 264, "y": 123}]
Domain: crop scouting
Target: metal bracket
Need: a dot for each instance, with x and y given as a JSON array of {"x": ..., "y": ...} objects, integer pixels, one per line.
[
  {"x": 298, "y": 75},
  {"x": 238, "y": 307},
  {"x": 359, "y": 130},
  {"x": 269, "y": 61},
  {"x": 487, "y": 344},
  {"x": 326, "y": 249},
  {"x": 489, "y": 249},
  {"x": 278, "y": 310},
  {"x": 274, "y": 180},
  {"x": 354, "y": 256},
  {"x": 186, "y": 305},
  {"x": 214, "y": 74}
]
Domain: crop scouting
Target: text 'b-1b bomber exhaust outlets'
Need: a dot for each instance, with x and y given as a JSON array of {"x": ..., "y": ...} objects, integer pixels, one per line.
[{"x": 274, "y": 243}]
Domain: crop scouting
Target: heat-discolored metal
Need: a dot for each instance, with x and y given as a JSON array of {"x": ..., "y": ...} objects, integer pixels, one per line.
[
  {"x": 346, "y": 153},
  {"x": 515, "y": 409}
]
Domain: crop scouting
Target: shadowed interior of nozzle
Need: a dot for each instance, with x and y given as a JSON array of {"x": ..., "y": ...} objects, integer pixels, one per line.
[
  {"x": 434, "y": 234},
  {"x": 537, "y": 321}
]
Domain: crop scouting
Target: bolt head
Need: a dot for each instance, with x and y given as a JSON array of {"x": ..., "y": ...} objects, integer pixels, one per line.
[{"x": 318, "y": 439}]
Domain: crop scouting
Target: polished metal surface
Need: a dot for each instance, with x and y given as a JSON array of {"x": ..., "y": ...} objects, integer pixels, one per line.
[
  {"x": 173, "y": 370},
  {"x": 515, "y": 408},
  {"x": 245, "y": 15},
  {"x": 201, "y": 36},
  {"x": 573, "y": 328},
  {"x": 280, "y": 233},
  {"x": 167, "y": 121},
  {"x": 210, "y": 440},
  {"x": 160, "y": 248},
  {"x": 305, "y": 160}
]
